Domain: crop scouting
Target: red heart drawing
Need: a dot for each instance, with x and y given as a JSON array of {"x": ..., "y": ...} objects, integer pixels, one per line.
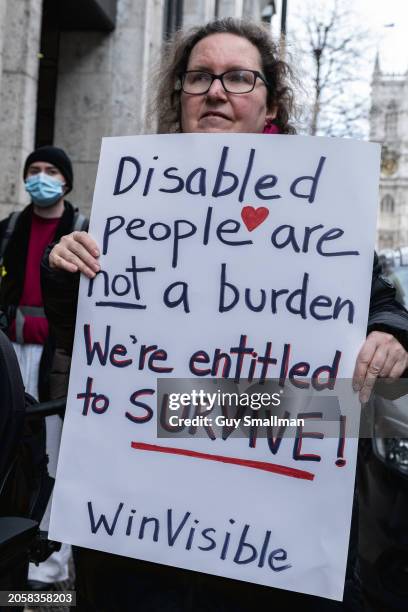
[{"x": 252, "y": 217}]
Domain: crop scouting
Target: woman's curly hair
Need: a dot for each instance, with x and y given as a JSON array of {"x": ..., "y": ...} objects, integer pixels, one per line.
[{"x": 279, "y": 75}]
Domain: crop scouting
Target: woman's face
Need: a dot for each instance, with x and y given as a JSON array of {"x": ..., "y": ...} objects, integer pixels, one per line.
[{"x": 217, "y": 110}]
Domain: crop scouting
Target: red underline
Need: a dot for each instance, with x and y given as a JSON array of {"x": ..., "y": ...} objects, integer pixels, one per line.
[{"x": 257, "y": 465}]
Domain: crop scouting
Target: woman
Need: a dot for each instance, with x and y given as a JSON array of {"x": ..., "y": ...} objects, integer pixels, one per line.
[{"x": 226, "y": 77}]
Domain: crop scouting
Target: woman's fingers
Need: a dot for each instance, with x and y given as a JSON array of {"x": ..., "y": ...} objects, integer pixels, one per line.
[
  {"x": 370, "y": 361},
  {"x": 397, "y": 371},
  {"x": 76, "y": 251},
  {"x": 381, "y": 355}
]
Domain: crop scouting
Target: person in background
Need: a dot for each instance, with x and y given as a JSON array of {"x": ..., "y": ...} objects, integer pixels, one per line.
[{"x": 24, "y": 236}]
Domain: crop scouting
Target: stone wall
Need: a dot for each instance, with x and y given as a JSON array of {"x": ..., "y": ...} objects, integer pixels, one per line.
[
  {"x": 103, "y": 87},
  {"x": 20, "y": 28},
  {"x": 3, "y": 8}
]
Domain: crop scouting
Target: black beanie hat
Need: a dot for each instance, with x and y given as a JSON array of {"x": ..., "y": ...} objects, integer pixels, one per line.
[{"x": 55, "y": 156}]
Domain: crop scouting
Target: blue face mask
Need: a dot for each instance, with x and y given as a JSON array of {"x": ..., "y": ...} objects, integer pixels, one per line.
[{"x": 44, "y": 190}]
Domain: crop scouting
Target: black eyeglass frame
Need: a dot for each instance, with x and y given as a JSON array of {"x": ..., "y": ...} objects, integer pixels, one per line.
[{"x": 220, "y": 77}]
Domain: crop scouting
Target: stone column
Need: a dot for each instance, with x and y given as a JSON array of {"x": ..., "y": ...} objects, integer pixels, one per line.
[
  {"x": 18, "y": 97},
  {"x": 103, "y": 85},
  {"x": 3, "y": 8},
  {"x": 83, "y": 105}
]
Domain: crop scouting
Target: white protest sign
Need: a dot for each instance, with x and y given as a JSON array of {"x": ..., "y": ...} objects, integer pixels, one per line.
[{"x": 237, "y": 256}]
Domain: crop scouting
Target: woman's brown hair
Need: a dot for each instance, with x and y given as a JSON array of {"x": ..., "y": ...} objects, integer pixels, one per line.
[{"x": 278, "y": 73}]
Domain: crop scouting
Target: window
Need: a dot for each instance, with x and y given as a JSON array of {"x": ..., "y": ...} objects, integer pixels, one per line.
[
  {"x": 386, "y": 240},
  {"x": 387, "y": 204},
  {"x": 391, "y": 121},
  {"x": 173, "y": 17}
]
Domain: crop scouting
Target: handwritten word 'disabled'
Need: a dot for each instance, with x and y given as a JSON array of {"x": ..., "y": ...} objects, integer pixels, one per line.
[{"x": 131, "y": 174}]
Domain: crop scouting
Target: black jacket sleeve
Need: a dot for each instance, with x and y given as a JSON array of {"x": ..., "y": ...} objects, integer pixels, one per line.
[
  {"x": 386, "y": 313},
  {"x": 60, "y": 294},
  {"x": 3, "y": 227},
  {"x": 60, "y": 297}
]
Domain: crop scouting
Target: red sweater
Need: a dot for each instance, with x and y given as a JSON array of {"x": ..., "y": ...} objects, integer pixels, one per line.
[{"x": 35, "y": 329}]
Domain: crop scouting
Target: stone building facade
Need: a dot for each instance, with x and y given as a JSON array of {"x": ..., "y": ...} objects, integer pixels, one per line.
[
  {"x": 389, "y": 127},
  {"x": 73, "y": 71}
]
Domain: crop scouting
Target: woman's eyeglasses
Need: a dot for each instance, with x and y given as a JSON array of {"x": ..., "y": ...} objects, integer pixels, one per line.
[{"x": 197, "y": 82}]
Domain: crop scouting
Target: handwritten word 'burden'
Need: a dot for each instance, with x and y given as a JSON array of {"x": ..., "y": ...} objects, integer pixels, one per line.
[{"x": 276, "y": 300}]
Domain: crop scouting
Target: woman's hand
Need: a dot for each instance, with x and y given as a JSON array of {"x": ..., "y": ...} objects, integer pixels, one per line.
[
  {"x": 76, "y": 251},
  {"x": 380, "y": 356}
]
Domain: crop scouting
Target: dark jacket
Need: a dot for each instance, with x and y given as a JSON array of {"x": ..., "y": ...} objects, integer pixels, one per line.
[
  {"x": 60, "y": 297},
  {"x": 12, "y": 284},
  {"x": 386, "y": 313}
]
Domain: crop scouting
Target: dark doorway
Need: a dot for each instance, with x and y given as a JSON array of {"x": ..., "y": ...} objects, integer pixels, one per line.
[
  {"x": 48, "y": 74},
  {"x": 58, "y": 16}
]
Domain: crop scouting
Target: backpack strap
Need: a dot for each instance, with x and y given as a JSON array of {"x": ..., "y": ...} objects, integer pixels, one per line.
[
  {"x": 12, "y": 220},
  {"x": 80, "y": 222},
  {"x": 21, "y": 313}
]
